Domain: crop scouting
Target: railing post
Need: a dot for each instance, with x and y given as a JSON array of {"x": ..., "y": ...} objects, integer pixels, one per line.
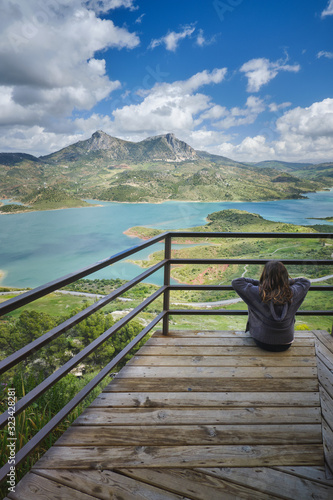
[{"x": 166, "y": 297}]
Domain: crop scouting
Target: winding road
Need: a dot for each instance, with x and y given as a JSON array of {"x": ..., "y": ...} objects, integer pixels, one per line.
[{"x": 194, "y": 304}]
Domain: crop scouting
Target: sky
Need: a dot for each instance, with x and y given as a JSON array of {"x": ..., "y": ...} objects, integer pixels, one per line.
[{"x": 251, "y": 80}]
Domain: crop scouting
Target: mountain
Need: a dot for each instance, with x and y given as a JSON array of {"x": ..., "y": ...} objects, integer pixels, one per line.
[
  {"x": 153, "y": 170},
  {"x": 159, "y": 148}
]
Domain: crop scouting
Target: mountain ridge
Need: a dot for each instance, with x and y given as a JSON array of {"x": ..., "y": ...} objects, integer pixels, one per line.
[
  {"x": 156, "y": 148},
  {"x": 101, "y": 141},
  {"x": 156, "y": 169}
]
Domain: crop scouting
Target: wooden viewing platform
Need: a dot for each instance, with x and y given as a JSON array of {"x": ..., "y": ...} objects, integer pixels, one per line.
[{"x": 201, "y": 415}]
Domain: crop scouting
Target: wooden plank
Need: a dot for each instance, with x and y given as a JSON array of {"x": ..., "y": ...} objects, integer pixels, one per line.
[
  {"x": 106, "y": 485},
  {"x": 197, "y": 485},
  {"x": 105, "y": 457},
  {"x": 167, "y": 435},
  {"x": 183, "y": 360},
  {"x": 203, "y": 333},
  {"x": 204, "y": 416},
  {"x": 35, "y": 487},
  {"x": 324, "y": 355},
  {"x": 211, "y": 385},
  {"x": 326, "y": 406},
  {"x": 235, "y": 351},
  {"x": 273, "y": 482},
  {"x": 188, "y": 372},
  {"x": 316, "y": 474},
  {"x": 218, "y": 341},
  {"x": 325, "y": 338},
  {"x": 325, "y": 377},
  {"x": 204, "y": 399},
  {"x": 222, "y": 333},
  {"x": 328, "y": 445}
]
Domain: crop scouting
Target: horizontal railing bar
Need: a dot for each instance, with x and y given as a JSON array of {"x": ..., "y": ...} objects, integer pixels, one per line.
[
  {"x": 207, "y": 288},
  {"x": 67, "y": 367},
  {"x": 52, "y": 424},
  {"x": 37, "y": 344},
  {"x": 231, "y": 312},
  {"x": 197, "y": 234},
  {"x": 304, "y": 262},
  {"x": 36, "y": 293}
]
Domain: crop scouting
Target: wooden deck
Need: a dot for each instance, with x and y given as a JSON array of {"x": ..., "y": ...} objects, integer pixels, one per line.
[{"x": 201, "y": 415}]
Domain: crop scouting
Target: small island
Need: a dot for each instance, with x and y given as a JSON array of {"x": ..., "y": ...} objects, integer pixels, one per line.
[{"x": 328, "y": 219}]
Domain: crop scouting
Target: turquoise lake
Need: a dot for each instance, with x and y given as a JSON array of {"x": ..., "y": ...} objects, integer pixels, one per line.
[{"x": 37, "y": 247}]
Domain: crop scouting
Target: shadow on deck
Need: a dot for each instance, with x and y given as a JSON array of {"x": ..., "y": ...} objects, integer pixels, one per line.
[{"x": 201, "y": 415}]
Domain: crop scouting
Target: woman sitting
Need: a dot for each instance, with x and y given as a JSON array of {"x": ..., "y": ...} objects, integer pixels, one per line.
[{"x": 272, "y": 303}]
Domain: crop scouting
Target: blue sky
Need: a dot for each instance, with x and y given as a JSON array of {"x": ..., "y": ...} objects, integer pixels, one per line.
[{"x": 247, "y": 79}]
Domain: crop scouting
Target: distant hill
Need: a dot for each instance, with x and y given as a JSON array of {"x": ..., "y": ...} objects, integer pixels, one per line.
[
  {"x": 282, "y": 165},
  {"x": 11, "y": 159},
  {"x": 153, "y": 170},
  {"x": 223, "y": 160}
]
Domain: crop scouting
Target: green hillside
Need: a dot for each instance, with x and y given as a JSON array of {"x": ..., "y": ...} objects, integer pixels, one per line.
[
  {"x": 50, "y": 198},
  {"x": 154, "y": 170}
]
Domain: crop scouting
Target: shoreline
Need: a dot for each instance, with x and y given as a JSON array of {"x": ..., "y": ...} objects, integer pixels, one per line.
[
  {"x": 46, "y": 210},
  {"x": 92, "y": 205}
]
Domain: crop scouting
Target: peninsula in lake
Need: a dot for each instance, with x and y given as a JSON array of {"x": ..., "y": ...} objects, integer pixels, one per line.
[{"x": 157, "y": 169}]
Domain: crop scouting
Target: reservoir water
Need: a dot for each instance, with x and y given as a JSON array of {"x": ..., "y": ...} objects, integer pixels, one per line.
[{"x": 37, "y": 247}]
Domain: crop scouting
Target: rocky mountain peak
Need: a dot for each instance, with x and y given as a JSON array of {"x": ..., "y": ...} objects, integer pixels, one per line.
[
  {"x": 171, "y": 148},
  {"x": 158, "y": 148},
  {"x": 100, "y": 140}
]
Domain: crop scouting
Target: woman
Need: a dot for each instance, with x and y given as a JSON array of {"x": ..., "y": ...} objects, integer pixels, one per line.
[{"x": 272, "y": 302}]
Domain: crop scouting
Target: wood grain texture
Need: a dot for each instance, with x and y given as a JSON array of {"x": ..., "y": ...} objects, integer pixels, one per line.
[
  {"x": 201, "y": 415},
  {"x": 212, "y": 385},
  {"x": 272, "y": 482},
  {"x": 104, "y": 457},
  {"x": 204, "y": 399},
  {"x": 196, "y": 483},
  {"x": 101, "y": 483},
  {"x": 168, "y": 435}
]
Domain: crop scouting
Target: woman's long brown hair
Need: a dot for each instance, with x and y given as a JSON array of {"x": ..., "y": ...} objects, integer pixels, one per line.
[{"x": 274, "y": 283}]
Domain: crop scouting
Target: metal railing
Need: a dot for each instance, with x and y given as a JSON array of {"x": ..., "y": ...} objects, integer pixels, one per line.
[{"x": 164, "y": 315}]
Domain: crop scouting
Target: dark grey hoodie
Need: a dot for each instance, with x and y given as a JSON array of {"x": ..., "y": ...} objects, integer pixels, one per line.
[{"x": 271, "y": 323}]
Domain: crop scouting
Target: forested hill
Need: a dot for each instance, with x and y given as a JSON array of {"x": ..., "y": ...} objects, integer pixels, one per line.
[{"x": 157, "y": 169}]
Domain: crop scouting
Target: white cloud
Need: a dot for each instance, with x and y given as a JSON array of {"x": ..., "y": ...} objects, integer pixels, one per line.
[
  {"x": 106, "y": 5},
  {"x": 273, "y": 107},
  {"x": 172, "y": 39},
  {"x": 139, "y": 19},
  {"x": 202, "y": 41},
  {"x": 215, "y": 112},
  {"x": 261, "y": 71},
  {"x": 168, "y": 106},
  {"x": 305, "y": 134},
  {"x": 329, "y": 9},
  {"x": 324, "y": 53},
  {"x": 242, "y": 116},
  {"x": 49, "y": 68},
  {"x": 47, "y": 60},
  {"x": 311, "y": 122}
]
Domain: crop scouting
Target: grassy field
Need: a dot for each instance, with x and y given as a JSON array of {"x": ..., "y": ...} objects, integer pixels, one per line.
[{"x": 54, "y": 304}]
